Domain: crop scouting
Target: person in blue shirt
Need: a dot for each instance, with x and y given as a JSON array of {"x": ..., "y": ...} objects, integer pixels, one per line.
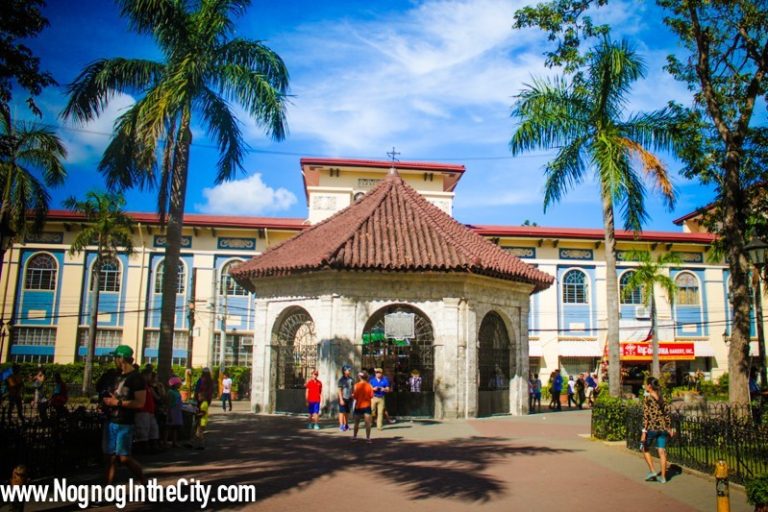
[
  {"x": 381, "y": 386},
  {"x": 557, "y": 387}
]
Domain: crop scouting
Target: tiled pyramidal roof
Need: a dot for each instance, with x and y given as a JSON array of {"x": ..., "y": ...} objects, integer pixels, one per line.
[{"x": 393, "y": 228}]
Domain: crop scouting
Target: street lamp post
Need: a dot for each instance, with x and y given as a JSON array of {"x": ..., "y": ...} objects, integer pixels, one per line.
[
  {"x": 2, "y": 338},
  {"x": 758, "y": 255}
]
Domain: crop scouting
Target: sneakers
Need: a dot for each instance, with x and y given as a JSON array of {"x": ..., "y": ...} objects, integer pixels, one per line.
[
  {"x": 650, "y": 477},
  {"x": 309, "y": 426},
  {"x": 341, "y": 428},
  {"x": 369, "y": 441},
  {"x": 661, "y": 479},
  {"x": 392, "y": 420},
  {"x": 316, "y": 426}
]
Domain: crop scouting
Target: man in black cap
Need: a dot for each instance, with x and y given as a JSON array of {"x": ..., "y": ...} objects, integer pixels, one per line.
[
  {"x": 128, "y": 397},
  {"x": 346, "y": 382}
]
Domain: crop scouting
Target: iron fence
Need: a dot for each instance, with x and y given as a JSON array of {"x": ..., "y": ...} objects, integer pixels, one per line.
[
  {"x": 704, "y": 434},
  {"x": 61, "y": 443}
]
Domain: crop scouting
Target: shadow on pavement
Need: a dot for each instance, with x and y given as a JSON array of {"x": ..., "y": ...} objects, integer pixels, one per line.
[{"x": 276, "y": 454}]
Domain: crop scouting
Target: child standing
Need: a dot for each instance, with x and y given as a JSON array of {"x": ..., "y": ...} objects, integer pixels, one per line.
[
  {"x": 313, "y": 396},
  {"x": 175, "y": 419}
]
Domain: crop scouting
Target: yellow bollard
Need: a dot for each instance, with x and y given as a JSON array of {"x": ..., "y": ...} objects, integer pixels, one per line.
[{"x": 721, "y": 487}]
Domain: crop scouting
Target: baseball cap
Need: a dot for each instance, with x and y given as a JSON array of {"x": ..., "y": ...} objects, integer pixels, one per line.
[
  {"x": 346, "y": 367},
  {"x": 206, "y": 370},
  {"x": 123, "y": 351}
]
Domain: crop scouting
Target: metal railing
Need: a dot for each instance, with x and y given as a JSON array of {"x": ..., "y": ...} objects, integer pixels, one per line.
[
  {"x": 703, "y": 435},
  {"x": 59, "y": 443}
]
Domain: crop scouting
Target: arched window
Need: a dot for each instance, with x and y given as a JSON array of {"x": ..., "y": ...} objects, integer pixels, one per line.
[
  {"x": 575, "y": 287},
  {"x": 633, "y": 297},
  {"x": 181, "y": 277},
  {"x": 687, "y": 289},
  {"x": 41, "y": 273},
  {"x": 110, "y": 275},
  {"x": 228, "y": 285}
]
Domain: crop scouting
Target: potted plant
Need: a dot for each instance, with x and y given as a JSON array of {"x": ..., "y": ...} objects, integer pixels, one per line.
[{"x": 757, "y": 492}]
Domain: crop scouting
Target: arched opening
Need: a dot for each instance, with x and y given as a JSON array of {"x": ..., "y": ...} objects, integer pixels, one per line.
[
  {"x": 494, "y": 366},
  {"x": 400, "y": 340},
  {"x": 294, "y": 356}
]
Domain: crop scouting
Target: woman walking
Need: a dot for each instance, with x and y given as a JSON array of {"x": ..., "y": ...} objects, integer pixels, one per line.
[{"x": 657, "y": 427}]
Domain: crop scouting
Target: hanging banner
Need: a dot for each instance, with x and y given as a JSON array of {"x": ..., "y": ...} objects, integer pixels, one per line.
[{"x": 668, "y": 351}]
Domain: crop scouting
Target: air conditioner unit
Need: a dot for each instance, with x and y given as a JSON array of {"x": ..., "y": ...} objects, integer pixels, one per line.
[
  {"x": 247, "y": 342},
  {"x": 642, "y": 312}
]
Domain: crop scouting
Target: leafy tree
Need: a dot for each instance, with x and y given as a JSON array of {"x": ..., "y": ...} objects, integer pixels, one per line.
[
  {"x": 204, "y": 68},
  {"x": 109, "y": 229},
  {"x": 645, "y": 277},
  {"x": 584, "y": 118},
  {"x": 726, "y": 65},
  {"x": 32, "y": 162},
  {"x": 21, "y": 19}
]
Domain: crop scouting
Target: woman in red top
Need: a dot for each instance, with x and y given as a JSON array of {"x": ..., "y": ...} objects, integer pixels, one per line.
[
  {"x": 313, "y": 396},
  {"x": 363, "y": 394}
]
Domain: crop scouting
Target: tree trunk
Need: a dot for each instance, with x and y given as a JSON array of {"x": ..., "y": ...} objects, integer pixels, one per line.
[
  {"x": 734, "y": 228},
  {"x": 94, "y": 323},
  {"x": 173, "y": 249},
  {"x": 612, "y": 299},
  {"x": 655, "y": 366}
]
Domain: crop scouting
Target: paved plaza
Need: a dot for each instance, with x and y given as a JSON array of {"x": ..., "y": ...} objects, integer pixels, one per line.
[{"x": 539, "y": 462}]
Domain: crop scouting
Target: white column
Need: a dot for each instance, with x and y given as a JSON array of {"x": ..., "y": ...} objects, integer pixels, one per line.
[{"x": 262, "y": 394}]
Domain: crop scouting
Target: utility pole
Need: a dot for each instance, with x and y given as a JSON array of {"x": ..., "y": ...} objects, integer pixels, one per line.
[
  {"x": 212, "y": 317},
  {"x": 223, "y": 338},
  {"x": 191, "y": 319}
]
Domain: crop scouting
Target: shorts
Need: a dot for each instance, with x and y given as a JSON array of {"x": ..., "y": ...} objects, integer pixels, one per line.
[
  {"x": 537, "y": 395},
  {"x": 363, "y": 411},
  {"x": 659, "y": 436},
  {"x": 346, "y": 407},
  {"x": 313, "y": 407},
  {"x": 146, "y": 427},
  {"x": 119, "y": 439}
]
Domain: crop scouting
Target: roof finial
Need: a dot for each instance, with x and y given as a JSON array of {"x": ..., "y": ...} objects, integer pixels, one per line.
[{"x": 392, "y": 154}]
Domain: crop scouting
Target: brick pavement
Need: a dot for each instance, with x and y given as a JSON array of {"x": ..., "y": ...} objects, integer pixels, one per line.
[{"x": 539, "y": 462}]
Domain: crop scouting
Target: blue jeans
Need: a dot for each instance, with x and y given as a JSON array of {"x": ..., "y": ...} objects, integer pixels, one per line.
[{"x": 226, "y": 397}]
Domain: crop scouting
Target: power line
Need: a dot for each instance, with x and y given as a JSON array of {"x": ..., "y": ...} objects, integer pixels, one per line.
[{"x": 249, "y": 149}]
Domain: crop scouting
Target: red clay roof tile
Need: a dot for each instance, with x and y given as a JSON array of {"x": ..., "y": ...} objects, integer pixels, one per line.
[{"x": 392, "y": 228}]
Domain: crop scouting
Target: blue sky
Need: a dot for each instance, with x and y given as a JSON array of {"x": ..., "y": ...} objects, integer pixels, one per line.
[{"x": 434, "y": 78}]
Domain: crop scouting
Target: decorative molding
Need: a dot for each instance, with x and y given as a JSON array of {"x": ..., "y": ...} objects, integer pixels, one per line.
[
  {"x": 522, "y": 252},
  {"x": 323, "y": 202},
  {"x": 46, "y": 237},
  {"x": 367, "y": 183},
  {"x": 690, "y": 257},
  {"x": 240, "y": 244},
  {"x": 576, "y": 254},
  {"x": 162, "y": 241},
  {"x": 624, "y": 256}
]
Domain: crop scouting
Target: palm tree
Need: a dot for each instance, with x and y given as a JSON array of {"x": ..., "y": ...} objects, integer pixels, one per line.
[
  {"x": 202, "y": 71},
  {"x": 584, "y": 120},
  {"x": 109, "y": 228},
  {"x": 645, "y": 277},
  {"x": 33, "y": 162}
]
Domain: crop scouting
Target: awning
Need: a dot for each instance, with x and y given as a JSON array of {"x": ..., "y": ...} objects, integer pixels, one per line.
[
  {"x": 579, "y": 349},
  {"x": 535, "y": 349},
  {"x": 703, "y": 349}
]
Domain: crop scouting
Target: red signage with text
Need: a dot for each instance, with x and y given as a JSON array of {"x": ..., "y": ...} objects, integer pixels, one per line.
[{"x": 668, "y": 351}]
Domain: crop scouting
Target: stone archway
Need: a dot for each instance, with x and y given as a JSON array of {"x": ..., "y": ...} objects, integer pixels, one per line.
[
  {"x": 494, "y": 365},
  {"x": 294, "y": 353},
  {"x": 408, "y": 362}
]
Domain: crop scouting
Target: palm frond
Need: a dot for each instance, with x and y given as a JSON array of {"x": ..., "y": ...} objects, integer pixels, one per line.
[
  {"x": 165, "y": 20},
  {"x": 654, "y": 170},
  {"x": 613, "y": 67},
  {"x": 550, "y": 115},
  {"x": 223, "y": 127},
  {"x": 257, "y": 57},
  {"x": 564, "y": 172},
  {"x": 260, "y": 98},
  {"x": 90, "y": 93}
]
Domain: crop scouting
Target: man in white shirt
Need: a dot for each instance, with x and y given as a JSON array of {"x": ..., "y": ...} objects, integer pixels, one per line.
[{"x": 226, "y": 392}]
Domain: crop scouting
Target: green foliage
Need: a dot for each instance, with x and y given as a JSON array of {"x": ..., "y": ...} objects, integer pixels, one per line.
[
  {"x": 71, "y": 373},
  {"x": 19, "y": 68},
  {"x": 757, "y": 490},
  {"x": 723, "y": 382},
  {"x": 609, "y": 417}
]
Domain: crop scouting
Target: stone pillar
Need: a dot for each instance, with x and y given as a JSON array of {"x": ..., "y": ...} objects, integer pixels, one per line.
[
  {"x": 324, "y": 327},
  {"x": 262, "y": 394},
  {"x": 518, "y": 386},
  {"x": 449, "y": 386}
]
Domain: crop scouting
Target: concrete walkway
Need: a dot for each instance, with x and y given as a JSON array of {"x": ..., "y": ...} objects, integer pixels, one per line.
[{"x": 539, "y": 462}]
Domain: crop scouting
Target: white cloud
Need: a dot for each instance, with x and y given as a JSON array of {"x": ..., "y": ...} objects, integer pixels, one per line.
[
  {"x": 87, "y": 142},
  {"x": 249, "y": 196}
]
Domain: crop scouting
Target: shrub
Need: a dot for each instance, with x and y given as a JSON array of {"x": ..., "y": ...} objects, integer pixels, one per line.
[
  {"x": 609, "y": 417},
  {"x": 722, "y": 383},
  {"x": 757, "y": 491}
]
